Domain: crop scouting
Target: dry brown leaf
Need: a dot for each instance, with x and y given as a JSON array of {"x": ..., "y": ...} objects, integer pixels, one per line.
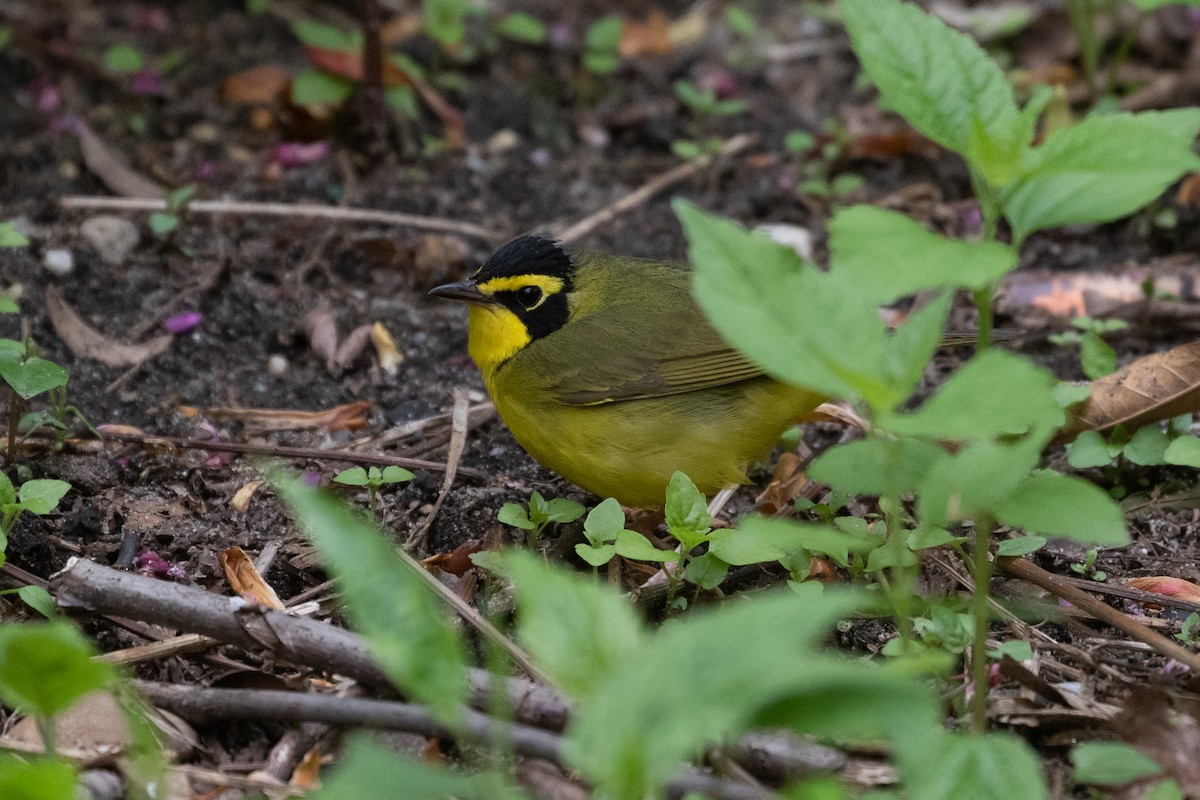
[
  {"x": 458, "y": 562},
  {"x": 262, "y": 84},
  {"x": 1189, "y": 190},
  {"x": 1167, "y": 587},
  {"x": 652, "y": 37},
  {"x": 113, "y": 169},
  {"x": 831, "y": 412},
  {"x": 245, "y": 579},
  {"x": 242, "y": 497},
  {"x": 786, "y": 484},
  {"x": 307, "y": 775},
  {"x": 321, "y": 329},
  {"x": 1151, "y": 389},
  {"x": 352, "y": 346},
  {"x": 87, "y": 342},
  {"x": 390, "y": 358}
]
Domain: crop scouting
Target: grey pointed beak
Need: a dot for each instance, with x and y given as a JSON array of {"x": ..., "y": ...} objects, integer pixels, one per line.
[{"x": 465, "y": 291}]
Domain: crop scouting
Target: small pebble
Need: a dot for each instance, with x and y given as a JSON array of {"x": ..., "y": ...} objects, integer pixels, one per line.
[
  {"x": 502, "y": 141},
  {"x": 111, "y": 236},
  {"x": 59, "y": 262},
  {"x": 277, "y": 365}
]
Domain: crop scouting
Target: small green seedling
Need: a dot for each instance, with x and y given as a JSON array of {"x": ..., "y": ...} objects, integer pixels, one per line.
[
  {"x": 607, "y": 537},
  {"x": 164, "y": 223},
  {"x": 38, "y": 497},
  {"x": 1189, "y": 632},
  {"x": 600, "y": 56},
  {"x": 815, "y": 165},
  {"x": 373, "y": 478},
  {"x": 1098, "y": 357},
  {"x": 522, "y": 27},
  {"x": 11, "y": 237},
  {"x": 123, "y": 59},
  {"x": 705, "y": 107},
  {"x": 541, "y": 513},
  {"x": 1088, "y": 568}
]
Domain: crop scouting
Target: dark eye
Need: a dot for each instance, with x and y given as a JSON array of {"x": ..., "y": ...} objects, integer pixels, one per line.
[{"x": 529, "y": 296}]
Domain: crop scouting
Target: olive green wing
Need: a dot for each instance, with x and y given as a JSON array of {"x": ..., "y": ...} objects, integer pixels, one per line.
[{"x": 632, "y": 352}]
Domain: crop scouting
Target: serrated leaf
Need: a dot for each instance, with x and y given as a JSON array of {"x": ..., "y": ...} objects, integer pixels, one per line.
[
  {"x": 876, "y": 466},
  {"x": 405, "y": 625},
  {"x": 706, "y": 571},
  {"x": 942, "y": 82},
  {"x": 575, "y": 629},
  {"x": 998, "y": 766},
  {"x": 1100, "y": 169},
  {"x": 890, "y": 255}
]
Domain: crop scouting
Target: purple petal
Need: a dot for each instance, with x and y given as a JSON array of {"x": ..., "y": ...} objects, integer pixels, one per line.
[
  {"x": 294, "y": 154},
  {"x": 182, "y": 323}
]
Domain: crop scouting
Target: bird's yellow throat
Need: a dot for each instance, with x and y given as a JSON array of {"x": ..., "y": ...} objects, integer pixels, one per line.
[{"x": 496, "y": 335}]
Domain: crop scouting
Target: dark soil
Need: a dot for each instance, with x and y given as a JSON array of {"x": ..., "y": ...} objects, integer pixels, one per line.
[{"x": 578, "y": 143}]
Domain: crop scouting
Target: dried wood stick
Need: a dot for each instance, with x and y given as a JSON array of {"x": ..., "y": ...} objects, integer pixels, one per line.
[{"x": 1028, "y": 571}]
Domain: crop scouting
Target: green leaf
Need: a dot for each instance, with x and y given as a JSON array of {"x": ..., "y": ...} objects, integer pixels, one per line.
[
  {"x": 1015, "y": 649},
  {"x": 1021, "y": 546},
  {"x": 5, "y": 38},
  {"x": 46, "y": 666},
  {"x": 631, "y": 544},
  {"x": 687, "y": 514},
  {"x": 976, "y": 480},
  {"x": 996, "y": 766},
  {"x": 1148, "y": 446},
  {"x": 7, "y": 304},
  {"x": 515, "y": 515},
  {"x": 751, "y": 289},
  {"x": 1111, "y": 763},
  {"x": 597, "y": 556},
  {"x": 876, "y": 466},
  {"x": 313, "y": 87},
  {"x": 560, "y": 510},
  {"x": 39, "y": 600},
  {"x": 995, "y": 393},
  {"x": 1184, "y": 451},
  {"x": 604, "y": 522},
  {"x": 394, "y": 608},
  {"x": 327, "y": 37},
  {"x": 600, "y": 62},
  {"x": 123, "y": 58},
  {"x": 604, "y": 33},
  {"x": 1151, "y": 5},
  {"x": 1060, "y": 505},
  {"x": 908, "y": 350},
  {"x": 1102, "y": 168},
  {"x": 445, "y": 20},
  {"x": 1088, "y": 450},
  {"x": 706, "y": 571},
  {"x": 41, "y": 495},
  {"x": 716, "y": 673},
  {"x": 926, "y": 537},
  {"x": 890, "y": 255},
  {"x": 394, "y": 474},
  {"x": 32, "y": 376},
  {"x": 11, "y": 237},
  {"x": 38, "y": 779},
  {"x": 522, "y": 27},
  {"x": 685, "y": 149},
  {"x": 759, "y": 539},
  {"x": 370, "y": 771},
  {"x": 178, "y": 199},
  {"x": 1164, "y": 790},
  {"x": 1099, "y": 359},
  {"x": 1068, "y": 394},
  {"x": 162, "y": 223},
  {"x": 576, "y": 629},
  {"x": 354, "y": 476},
  {"x": 741, "y": 21},
  {"x": 8, "y": 494},
  {"x": 942, "y": 82}
]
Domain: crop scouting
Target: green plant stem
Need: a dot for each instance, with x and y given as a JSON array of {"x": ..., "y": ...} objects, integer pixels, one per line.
[
  {"x": 1122, "y": 55},
  {"x": 983, "y": 306},
  {"x": 981, "y": 573},
  {"x": 14, "y": 419},
  {"x": 1082, "y": 14},
  {"x": 45, "y": 726}
]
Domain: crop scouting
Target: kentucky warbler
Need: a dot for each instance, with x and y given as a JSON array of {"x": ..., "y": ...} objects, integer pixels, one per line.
[{"x": 608, "y": 373}]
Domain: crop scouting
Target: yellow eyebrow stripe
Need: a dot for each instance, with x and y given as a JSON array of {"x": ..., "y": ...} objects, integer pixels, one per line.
[{"x": 510, "y": 283}]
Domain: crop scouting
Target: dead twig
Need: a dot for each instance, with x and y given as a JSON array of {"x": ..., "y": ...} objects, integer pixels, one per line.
[
  {"x": 627, "y": 203},
  {"x": 1059, "y": 587},
  {"x": 290, "y": 210},
  {"x": 458, "y": 439},
  {"x": 286, "y": 452}
]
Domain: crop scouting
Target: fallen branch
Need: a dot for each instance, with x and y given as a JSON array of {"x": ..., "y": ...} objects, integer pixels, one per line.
[
  {"x": 627, "y": 203},
  {"x": 204, "y": 706},
  {"x": 1059, "y": 587},
  {"x": 290, "y": 210},
  {"x": 87, "y": 585}
]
